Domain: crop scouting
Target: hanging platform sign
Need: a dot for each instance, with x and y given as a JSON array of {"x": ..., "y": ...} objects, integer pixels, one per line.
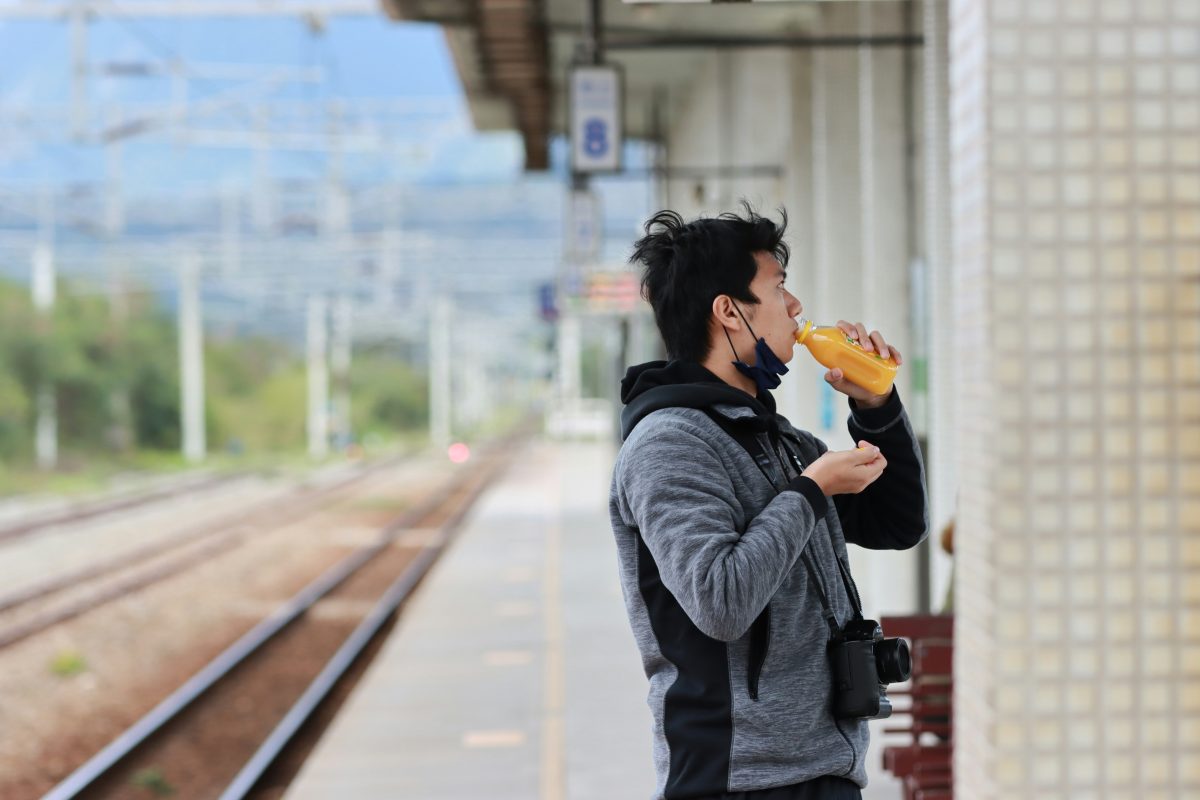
[
  {"x": 584, "y": 226},
  {"x": 596, "y": 124}
]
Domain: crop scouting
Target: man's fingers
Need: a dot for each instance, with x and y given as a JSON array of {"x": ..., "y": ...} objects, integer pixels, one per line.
[
  {"x": 863, "y": 337},
  {"x": 866, "y": 453},
  {"x": 881, "y": 346},
  {"x": 871, "y": 342}
]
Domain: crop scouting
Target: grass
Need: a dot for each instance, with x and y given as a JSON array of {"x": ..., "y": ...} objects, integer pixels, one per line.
[
  {"x": 87, "y": 473},
  {"x": 82, "y": 474},
  {"x": 68, "y": 663},
  {"x": 152, "y": 778}
]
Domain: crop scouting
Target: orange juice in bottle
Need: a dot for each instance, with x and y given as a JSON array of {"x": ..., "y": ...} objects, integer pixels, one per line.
[{"x": 831, "y": 346}]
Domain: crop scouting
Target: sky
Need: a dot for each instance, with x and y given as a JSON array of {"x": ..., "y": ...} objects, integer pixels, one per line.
[
  {"x": 362, "y": 57},
  {"x": 459, "y": 184}
]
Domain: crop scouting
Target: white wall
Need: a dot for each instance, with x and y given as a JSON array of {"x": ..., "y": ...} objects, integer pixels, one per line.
[{"x": 843, "y": 183}]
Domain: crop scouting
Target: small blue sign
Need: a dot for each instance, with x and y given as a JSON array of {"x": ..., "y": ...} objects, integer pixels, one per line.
[
  {"x": 595, "y": 137},
  {"x": 548, "y": 302},
  {"x": 827, "y": 395}
]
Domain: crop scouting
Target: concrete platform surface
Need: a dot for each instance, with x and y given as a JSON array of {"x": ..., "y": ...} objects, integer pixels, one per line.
[{"x": 512, "y": 674}]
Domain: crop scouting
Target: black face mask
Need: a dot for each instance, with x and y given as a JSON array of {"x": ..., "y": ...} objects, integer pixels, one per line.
[{"x": 767, "y": 367}]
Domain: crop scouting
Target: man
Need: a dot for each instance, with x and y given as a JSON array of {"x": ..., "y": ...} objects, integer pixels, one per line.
[{"x": 729, "y": 558}]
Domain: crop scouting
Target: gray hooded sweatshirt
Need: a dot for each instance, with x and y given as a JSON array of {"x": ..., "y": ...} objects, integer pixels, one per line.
[{"x": 731, "y": 631}]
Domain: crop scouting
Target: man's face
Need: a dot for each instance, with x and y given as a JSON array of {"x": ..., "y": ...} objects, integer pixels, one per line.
[{"x": 774, "y": 316}]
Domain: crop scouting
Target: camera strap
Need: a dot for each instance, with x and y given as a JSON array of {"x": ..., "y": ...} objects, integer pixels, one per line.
[
  {"x": 751, "y": 444},
  {"x": 830, "y": 617}
]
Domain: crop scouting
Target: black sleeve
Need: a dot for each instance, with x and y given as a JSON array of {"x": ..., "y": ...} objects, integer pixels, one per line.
[
  {"x": 811, "y": 491},
  {"x": 892, "y": 513}
]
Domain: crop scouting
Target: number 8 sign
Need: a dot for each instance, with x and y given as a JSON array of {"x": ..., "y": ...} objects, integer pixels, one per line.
[
  {"x": 595, "y": 137},
  {"x": 596, "y": 133}
]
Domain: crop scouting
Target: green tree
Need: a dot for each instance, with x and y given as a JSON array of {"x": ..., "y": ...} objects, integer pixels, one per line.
[{"x": 121, "y": 376}]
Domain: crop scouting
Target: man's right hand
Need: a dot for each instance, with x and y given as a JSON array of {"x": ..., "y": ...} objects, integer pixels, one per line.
[{"x": 847, "y": 471}]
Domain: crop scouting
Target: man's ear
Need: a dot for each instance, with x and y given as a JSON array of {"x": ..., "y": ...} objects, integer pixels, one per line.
[{"x": 725, "y": 314}]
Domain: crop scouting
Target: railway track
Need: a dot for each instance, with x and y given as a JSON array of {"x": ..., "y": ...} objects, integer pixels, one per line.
[
  {"x": 77, "y": 512},
  {"x": 35, "y": 608},
  {"x": 233, "y": 726}
]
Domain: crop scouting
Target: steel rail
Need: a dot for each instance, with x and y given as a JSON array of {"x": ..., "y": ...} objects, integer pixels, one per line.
[
  {"x": 345, "y": 657},
  {"x": 250, "y": 642},
  {"x": 87, "y": 510},
  {"x": 210, "y": 538}
]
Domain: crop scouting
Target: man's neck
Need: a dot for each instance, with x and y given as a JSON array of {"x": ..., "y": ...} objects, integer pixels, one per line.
[{"x": 724, "y": 369}]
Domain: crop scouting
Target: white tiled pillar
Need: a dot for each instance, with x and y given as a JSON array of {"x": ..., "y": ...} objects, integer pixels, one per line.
[
  {"x": 938, "y": 321},
  {"x": 1076, "y": 243}
]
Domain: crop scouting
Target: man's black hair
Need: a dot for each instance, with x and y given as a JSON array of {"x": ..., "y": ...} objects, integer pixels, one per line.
[{"x": 688, "y": 265}]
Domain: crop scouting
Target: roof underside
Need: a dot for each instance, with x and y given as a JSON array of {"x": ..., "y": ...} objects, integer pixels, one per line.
[{"x": 513, "y": 55}]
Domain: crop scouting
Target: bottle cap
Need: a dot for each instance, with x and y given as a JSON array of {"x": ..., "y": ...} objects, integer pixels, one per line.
[{"x": 806, "y": 327}]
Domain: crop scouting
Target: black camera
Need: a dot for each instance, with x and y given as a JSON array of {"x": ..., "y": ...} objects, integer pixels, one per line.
[{"x": 863, "y": 664}]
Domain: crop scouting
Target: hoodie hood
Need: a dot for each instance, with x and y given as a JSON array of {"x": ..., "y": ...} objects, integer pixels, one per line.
[{"x": 681, "y": 384}]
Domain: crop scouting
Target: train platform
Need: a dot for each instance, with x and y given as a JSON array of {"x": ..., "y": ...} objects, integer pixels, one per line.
[{"x": 512, "y": 674}]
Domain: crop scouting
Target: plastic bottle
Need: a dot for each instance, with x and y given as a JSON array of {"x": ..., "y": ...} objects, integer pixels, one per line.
[{"x": 831, "y": 346}]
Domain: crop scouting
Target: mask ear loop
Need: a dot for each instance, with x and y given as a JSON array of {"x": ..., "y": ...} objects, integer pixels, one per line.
[
  {"x": 743, "y": 316},
  {"x": 736, "y": 358},
  {"x": 748, "y": 325}
]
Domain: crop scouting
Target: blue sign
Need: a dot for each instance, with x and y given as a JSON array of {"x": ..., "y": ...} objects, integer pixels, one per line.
[
  {"x": 595, "y": 137},
  {"x": 595, "y": 117},
  {"x": 827, "y": 397},
  {"x": 548, "y": 302}
]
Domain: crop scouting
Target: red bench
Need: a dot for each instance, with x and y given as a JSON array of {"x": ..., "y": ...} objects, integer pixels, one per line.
[{"x": 925, "y": 764}]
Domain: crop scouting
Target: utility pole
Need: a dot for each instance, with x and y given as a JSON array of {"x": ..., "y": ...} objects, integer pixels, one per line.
[
  {"x": 120, "y": 433},
  {"x": 114, "y": 222},
  {"x": 318, "y": 378},
  {"x": 475, "y": 396},
  {"x": 337, "y": 202},
  {"x": 191, "y": 360},
  {"x": 390, "y": 250},
  {"x": 114, "y": 174},
  {"x": 439, "y": 372},
  {"x": 340, "y": 355},
  {"x": 570, "y": 348},
  {"x": 78, "y": 22},
  {"x": 46, "y": 430}
]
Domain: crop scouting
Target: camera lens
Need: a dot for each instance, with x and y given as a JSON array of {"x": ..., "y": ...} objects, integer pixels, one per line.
[{"x": 892, "y": 660}]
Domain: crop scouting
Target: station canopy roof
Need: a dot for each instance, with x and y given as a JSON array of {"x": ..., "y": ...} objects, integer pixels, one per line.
[{"x": 513, "y": 56}]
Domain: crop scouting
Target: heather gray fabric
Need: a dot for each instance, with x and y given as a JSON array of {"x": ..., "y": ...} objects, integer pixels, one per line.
[{"x": 726, "y": 542}]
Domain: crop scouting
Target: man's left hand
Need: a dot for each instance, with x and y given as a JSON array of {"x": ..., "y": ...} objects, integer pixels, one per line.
[{"x": 871, "y": 342}]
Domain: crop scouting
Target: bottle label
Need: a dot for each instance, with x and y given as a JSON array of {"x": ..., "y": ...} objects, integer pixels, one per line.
[{"x": 859, "y": 346}]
